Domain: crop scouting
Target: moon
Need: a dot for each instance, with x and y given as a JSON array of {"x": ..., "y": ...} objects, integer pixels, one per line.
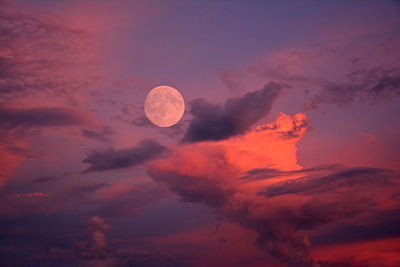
[{"x": 164, "y": 106}]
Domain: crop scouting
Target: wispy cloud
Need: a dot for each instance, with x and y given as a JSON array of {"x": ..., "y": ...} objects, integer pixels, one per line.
[{"x": 40, "y": 53}]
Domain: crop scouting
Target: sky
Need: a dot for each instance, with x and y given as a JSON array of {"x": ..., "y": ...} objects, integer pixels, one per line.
[{"x": 288, "y": 153}]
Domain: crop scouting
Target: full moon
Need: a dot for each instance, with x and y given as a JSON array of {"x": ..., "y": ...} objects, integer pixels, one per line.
[{"x": 164, "y": 106}]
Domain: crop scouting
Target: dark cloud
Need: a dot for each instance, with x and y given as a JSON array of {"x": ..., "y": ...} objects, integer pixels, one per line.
[
  {"x": 175, "y": 131},
  {"x": 380, "y": 225},
  {"x": 376, "y": 84},
  {"x": 339, "y": 94},
  {"x": 279, "y": 228},
  {"x": 67, "y": 239},
  {"x": 377, "y": 225},
  {"x": 379, "y": 82},
  {"x": 349, "y": 178},
  {"x": 38, "y": 117},
  {"x": 386, "y": 86},
  {"x": 261, "y": 174},
  {"x": 266, "y": 173},
  {"x": 76, "y": 242},
  {"x": 282, "y": 210},
  {"x": 112, "y": 159},
  {"x": 214, "y": 122},
  {"x": 44, "y": 239}
]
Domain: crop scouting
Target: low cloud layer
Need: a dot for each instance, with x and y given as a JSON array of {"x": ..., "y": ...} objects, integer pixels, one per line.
[{"x": 214, "y": 122}]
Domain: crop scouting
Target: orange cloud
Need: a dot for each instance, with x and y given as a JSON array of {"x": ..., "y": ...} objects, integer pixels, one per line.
[
  {"x": 269, "y": 146},
  {"x": 255, "y": 180},
  {"x": 272, "y": 145},
  {"x": 210, "y": 172}
]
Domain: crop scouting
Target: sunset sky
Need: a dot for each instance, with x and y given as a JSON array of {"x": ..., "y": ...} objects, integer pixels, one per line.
[{"x": 288, "y": 153}]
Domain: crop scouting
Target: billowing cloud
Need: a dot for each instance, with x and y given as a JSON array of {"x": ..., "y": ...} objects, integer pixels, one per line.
[
  {"x": 214, "y": 122},
  {"x": 209, "y": 173},
  {"x": 254, "y": 180},
  {"x": 112, "y": 159},
  {"x": 98, "y": 249},
  {"x": 215, "y": 160}
]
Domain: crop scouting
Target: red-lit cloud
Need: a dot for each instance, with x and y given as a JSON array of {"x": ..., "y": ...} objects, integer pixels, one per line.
[
  {"x": 254, "y": 180},
  {"x": 87, "y": 180}
]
